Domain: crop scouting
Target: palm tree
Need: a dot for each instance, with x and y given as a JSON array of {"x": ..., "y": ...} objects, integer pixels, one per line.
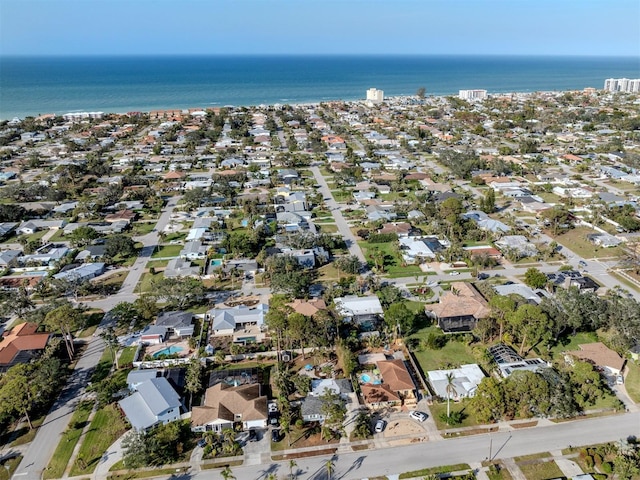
[
  {"x": 450, "y": 389},
  {"x": 227, "y": 474},
  {"x": 330, "y": 466},
  {"x": 292, "y": 465}
]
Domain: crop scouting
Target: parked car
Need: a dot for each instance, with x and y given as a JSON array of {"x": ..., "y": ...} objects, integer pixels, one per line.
[
  {"x": 273, "y": 421},
  {"x": 454, "y": 273},
  {"x": 380, "y": 424},
  {"x": 420, "y": 416},
  {"x": 273, "y": 407},
  {"x": 275, "y": 435}
]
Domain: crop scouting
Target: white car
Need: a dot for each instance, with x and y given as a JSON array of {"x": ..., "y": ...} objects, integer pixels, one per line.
[
  {"x": 420, "y": 416},
  {"x": 380, "y": 424},
  {"x": 454, "y": 273}
]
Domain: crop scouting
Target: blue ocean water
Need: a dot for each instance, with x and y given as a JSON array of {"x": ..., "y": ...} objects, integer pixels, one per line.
[{"x": 34, "y": 85}]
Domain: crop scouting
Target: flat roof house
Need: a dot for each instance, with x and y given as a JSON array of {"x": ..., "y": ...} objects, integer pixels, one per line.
[{"x": 359, "y": 309}]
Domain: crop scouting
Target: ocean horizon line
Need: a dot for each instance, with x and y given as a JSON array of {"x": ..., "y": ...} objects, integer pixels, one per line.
[
  {"x": 318, "y": 55},
  {"x": 36, "y": 85}
]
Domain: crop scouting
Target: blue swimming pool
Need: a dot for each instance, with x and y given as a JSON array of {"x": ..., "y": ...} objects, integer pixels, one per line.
[
  {"x": 365, "y": 378},
  {"x": 168, "y": 351},
  {"x": 216, "y": 262}
]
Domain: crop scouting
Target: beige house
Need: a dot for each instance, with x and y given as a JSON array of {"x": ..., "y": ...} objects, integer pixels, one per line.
[
  {"x": 601, "y": 356},
  {"x": 459, "y": 309},
  {"x": 225, "y": 405}
]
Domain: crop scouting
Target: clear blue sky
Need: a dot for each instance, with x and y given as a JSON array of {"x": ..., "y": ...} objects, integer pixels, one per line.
[{"x": 546, "y": 27}]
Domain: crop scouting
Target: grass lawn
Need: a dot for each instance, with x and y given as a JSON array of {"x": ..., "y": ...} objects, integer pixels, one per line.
[
  {"x": 167, "y": 251},
  {"x": 438, "y": 409},
  {"x": 415, "y": 307},
  {"x": 541, "y": 470},
  {"x": 107, "y": 426},
  {"x": 329, "y": 273},
  {"x": 25, "y": 435},
  {"x": 157, "y": 264},
  {"x": 144, "y": 474},
  {"x": 327, "y": 228},
  {"x": 103, "y": 367},
  {"x": 126, "y": 356},
  {"x": 452, "y": 354},
  {"x": 9, "y": 466},
  {"x": 68, "y": 441},
  {"x": 58, "y": 236},
  {"x": 576, "y": 240},
  {"x": 460, "y": 467},
  {"x": 571, "y": 342},
  {"x": 393, "y": 267},
  {"x": 175, "y": 236},
  {"x": 341, "y": 197},
  {"x": 142, "y": 228},
  {"x": 632, "y": 382},
  {"x": 144, "y": 285},
  {"x": 301, "y": 438}
]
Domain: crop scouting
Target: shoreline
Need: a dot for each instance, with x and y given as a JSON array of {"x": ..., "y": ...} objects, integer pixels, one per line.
[{"x": 310, "y": 103}]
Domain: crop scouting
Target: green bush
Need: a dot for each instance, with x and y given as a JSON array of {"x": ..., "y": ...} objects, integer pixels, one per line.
[
  {"x": 588, "y": 461},
  {"x": 606, "y": 467}
]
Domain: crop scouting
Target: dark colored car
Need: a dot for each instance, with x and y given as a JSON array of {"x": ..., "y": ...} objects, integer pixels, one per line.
[{"x": 275, "y": 435}]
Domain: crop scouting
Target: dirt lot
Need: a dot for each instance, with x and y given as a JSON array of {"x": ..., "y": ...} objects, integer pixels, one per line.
[{"x": 403, "y": 426}]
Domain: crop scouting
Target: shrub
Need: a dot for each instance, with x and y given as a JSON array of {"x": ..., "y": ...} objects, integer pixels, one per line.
[
  {"x": 588, "y": 461},
  {"x": 606, "y": 467}
]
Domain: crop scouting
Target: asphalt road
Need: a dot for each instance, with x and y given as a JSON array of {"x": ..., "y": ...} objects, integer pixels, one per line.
[
  {"x": 44, "y": 444},
  {"x": 46, "y": 440},
  {"x": 341, "y": 223},
  {"x": 473, "y": 449}
]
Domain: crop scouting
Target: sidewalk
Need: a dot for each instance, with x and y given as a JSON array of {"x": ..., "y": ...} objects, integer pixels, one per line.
[{"x": 109, "y": 459}]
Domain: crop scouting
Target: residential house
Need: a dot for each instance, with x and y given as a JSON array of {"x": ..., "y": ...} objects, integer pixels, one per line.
[
  {"x": 572, "y": 278},
  {"x": 225, "y": 405},
  {"x": 179, "y": 267},
  {"x": 508, "y": 361},
  {"x": 193, "y": 250},
  {"x": 226, "y": 321},
  {"x": 8, "y": 258},
  {"x": 120, "y": 216},
  {"x": 91, "y": 253},
  {"x": 518, "y": 245},
  {"x": 530, "y": 295},
  {"x": 177, "y": 323},
  {"x": 81, "y": 273},
  {"x": 380, "y": 212},
  {"x": 154, "y": 402},
  {"x": 419, "y": 249},
  {"x": 137, "y": 377},
  {"x": 153, "y": 335},
  {"x": 308, "y": 308},
  {"x": 359, "y": 309},
  {"x": 21, "y": 344},
  {"x": 377, "y": 397},
  {"x": 32, "y": 226},
  {"x": 395, "y": 375},
  {"x": 459, "y": 309},
  {"x": 465, "y": 381},
  {"x": 600, "y": 355},
  {"x": 484, "y": 222}
]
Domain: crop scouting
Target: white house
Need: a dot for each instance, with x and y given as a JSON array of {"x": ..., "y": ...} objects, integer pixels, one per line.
[{"x": 154, "y": 402}]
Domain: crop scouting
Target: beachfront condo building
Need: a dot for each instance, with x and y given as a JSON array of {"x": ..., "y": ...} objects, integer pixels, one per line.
[
  {"x": 622, "y": 85},
  {"x": 375, "y": 96},
  {"x": 472, "y": 94}
]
